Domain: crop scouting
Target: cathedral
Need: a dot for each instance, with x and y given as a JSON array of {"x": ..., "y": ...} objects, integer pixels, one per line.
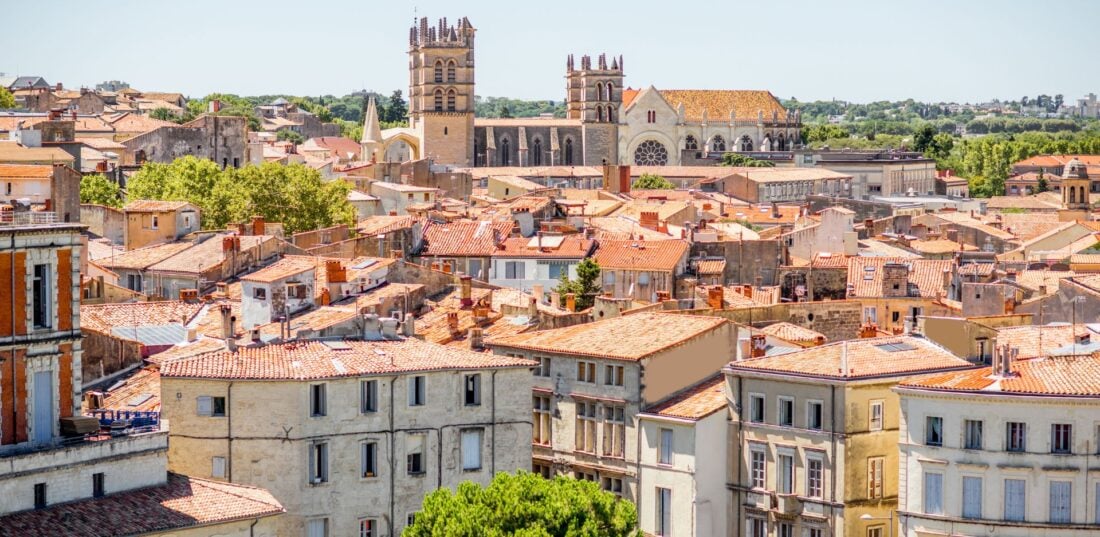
[{"x": 605, "y": 123}]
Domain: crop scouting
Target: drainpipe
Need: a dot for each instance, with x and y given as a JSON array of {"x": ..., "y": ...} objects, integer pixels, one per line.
[
  {"x": 229, "y": 430},
  {"x": 15, "y": 403},
  {"x": 251, "y": 531},
  {"x": 393, "y": 462},
  {"x": 832, "y": 444},
  {"x": 493, "y": 427},
  {"x": 740, "y": 446}
]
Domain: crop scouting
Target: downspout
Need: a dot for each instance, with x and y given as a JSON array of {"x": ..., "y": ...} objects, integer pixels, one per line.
[
  {"x": 251, "y": 531},
  {"x": 740, "y": 446},
  {"x": 393, "y": 462},
  {"x": 14, "y": 400},
  {"x": 493, "y": 427},
  {"x": 832, "y": 444},
  {"x": 229, "y": 430}
]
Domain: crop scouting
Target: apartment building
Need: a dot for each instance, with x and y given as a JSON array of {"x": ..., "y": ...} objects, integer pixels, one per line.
[
  {"x": 813, "y": 436},
  {"x": 1007, "y": 450},
  {"x": 349, "y": 435},
  {"x": 594, "y": 379}
]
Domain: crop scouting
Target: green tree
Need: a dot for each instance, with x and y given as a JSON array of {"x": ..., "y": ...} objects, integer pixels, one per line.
[
  {"x": 649, "y": 181},
  {"x": 820, "y": 133},
  {"x": 737, "y": 159},
  {"x": 288, "y": 135},
  {"x": 923, "y": 138},
  {"x": 99, "y": 190},
  {"x": 162, "y": 114},
  {"x": 525, "y": 505},
  {"x": 7, "y": 100},
  {"x": 1042, "y": 185},
  {"x": 397, "y": 110},
  {"x": 585, "y": 287}
]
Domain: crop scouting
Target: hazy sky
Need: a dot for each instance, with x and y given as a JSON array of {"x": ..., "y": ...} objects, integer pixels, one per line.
[{"x": 858, "y": 50}]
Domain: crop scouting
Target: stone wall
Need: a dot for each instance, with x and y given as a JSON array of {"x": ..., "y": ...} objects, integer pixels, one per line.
[
  {"x": 819, "y": 284},
  {"x": 166, "y": 144},
  {"x": 105, "y": 354},
  {"x": 104, "y": 221},
  {"x": 745, "y": 260}
]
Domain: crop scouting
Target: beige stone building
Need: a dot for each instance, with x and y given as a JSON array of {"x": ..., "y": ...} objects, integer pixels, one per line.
[
  {"x": 349, "y": 435},
  {"x": 594, "y": 379},
  {"x": 813, "y": 436},
  {"x": 643, "y": 270},
  {"x": 150, "y": 222}
]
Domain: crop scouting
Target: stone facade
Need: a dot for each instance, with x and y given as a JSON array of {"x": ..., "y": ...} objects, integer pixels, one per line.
[{"x": 222, "y": 139}]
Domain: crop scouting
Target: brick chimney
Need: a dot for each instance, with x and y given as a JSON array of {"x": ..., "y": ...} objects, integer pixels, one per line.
[
  {"x": 335, "y": 271},
  {"x": 570, "y": 302},
  {"x": 474, "y": 337},
  {"x": 649, "y": 220},
  {"x": 868, "y": 330},
  {"x": 465, "y": 283},
  {"x": 452, "y": 321},
  {"x": 258, "y": 227},
  {"x": 228, "y": 328},
  {"x": 895, "y": 280},
  {"x": 714, "y": 297},
  {"x": 758, "y": 345}
]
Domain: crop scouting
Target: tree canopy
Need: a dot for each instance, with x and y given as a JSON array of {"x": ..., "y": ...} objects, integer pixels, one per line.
[
  {"x": 649, "y": 181},
  {"x": 294, "y": 195},
  {"x": 99, "y": 190},
  {"x": 585, "y": 287},
  {"x": 525, "y": 505},
  {"x": 737, "y": 159},
  {"x": 7, "y": 100}
]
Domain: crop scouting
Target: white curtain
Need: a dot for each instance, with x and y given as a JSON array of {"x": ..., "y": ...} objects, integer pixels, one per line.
[
  {"x": 1015, "y": 498},
  {"x": 972, "y": 497},
  {"x": 933, "y": 493},
  {"x": 471, "y": 450},
  {"x": 1060, "y": 493}
]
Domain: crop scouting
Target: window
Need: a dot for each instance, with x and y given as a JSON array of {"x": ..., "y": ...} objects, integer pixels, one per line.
[
  {"x": 472, "y": 391},
  {"x": 870, "y": 315},
  {"x": 586, "y": 427},
  {"x": 758, "y": 468},
  {"x": 785, "y": 529},
  {"x": 542, "y": 469},
  {"x": 613, "y": 375},
  {"x": 259, "y": 293},
  {"x": 613, "y": 485},
  {"x": 98, "y": 490},
  {"x": 368, "y": 459},
  {"x": 1061, "y": 438},
  {"x": 664, "y": 511},
  {"x": 875, "y": 475},
  {"x": 438, "y": 102},
  {"x": 568, "y": 151},
  {"x": 651, "y": 116},
  {"x": 318, "y": 463},
  {"x": 438, "y": 71},
  {"x": 651, "y": 153},
  {"x": 665, "y": 454},
  {"x": 156, "y": 222},
  {"x": 758, "y": 527},
  {"x": 471, "y": 449},
  {"x": 317, "y": 527},
  {"x": 543, "y": 369},
  {"x": 1016, "y": 436},
  {"x": 451, "y": 99},
  {"x": 133, "y": 282},
  {"x": 933, "y": 493},
  {"x": 317, "y": 400},
  {"x": 451, "y": 71},
  {"x": 1061, "y": 493},
  {"x": 416, "y": 391},
  {"x": 877, "y": 409},
  {"x": 41, "y": 297},
  {"x": 972, "y": 497},
  {"x": 813, "y": 415},
  {"x": 367, "y": 527},
  {"x": 814, "y": 477},
  {"x": 39, "y": 495},
  {"x": 786, "y": 411},
  {"x": 368, "y": 396},
  {"x": 972, "y": 431},
  {"x": 513, "y": 270},
  {"x": 614, "y": 430},
  {"x": 814, "y": 532},
  {"x": 756, "y": 408},
  {"x": 690, "y": 143},
  {"x": 717, "y": 143},
  {"x": 210, "y": 406},
  {"x": 786, "y": 474},
  {"x": 410, "y": 519},
  {"x": 586, "y": 372},
  {"x": 541, "y": 424},
  {"x": 933, "y": 431},
  {"x": 536, "y": 153},
  {"x": 414, "y": 453},
  {"x": 217, "y": 467},
  {"x": 1015, "y": 499},
  {"x": 875, "y": 531},
  {"x": 584, "y": 476}
]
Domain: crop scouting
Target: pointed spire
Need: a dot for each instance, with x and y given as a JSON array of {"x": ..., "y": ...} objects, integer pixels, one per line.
[
  {"x": 372, "y": 132},
  {"x": 614, "y": 63}
]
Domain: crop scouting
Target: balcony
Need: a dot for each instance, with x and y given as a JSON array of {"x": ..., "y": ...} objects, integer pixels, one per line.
[
  {"x": 29, "y": 457},
  {"x": 788, "y": 504},
  {"x": 9, "y": 218},
  {"x": 760, "y": 499}
]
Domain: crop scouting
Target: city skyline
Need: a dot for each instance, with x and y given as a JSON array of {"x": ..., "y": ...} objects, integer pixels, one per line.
[{"x": 810, "y": 51}]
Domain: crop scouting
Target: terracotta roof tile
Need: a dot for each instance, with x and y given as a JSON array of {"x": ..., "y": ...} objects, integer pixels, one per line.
[
  {"x": 641, "y": 255},
  {"x": 939, "y": 246},
  {"x": 1066, "y": 376},
  {"x": 630, "y": 337},
  {"x": 35, "y": 171},
  {"x": 183, "y": 502},
  {"x": 154, "y": 206},
  {"x": 140, "y": 391},
  {"x": 281, "y": 269},
  {"x": 464, "y": 238},
  {"x": 718, "y": 103},
  {"x": 559, "y": 247},
  {"x": 977, "y": 269},
  {"x": 1038, "y": 340},
  {"x": 142, "y": 258},
  {"x": 829, "y": 260},
  {"x": 711, "y": 266},
  {"x": 792, "y": 332},
  {"x": 103, "y": 317},
  {"x": 1033, "y": 279},
  {"x": 206, "y": 255},
  {"x": 330, "y": 359},
  {"x": 859, "y": 358},
  {"x": 696, "y": 402},
  {"x": 865, "y": 275}
]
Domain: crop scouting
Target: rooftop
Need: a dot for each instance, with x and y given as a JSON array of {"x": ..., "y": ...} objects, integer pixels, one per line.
[
  {"x": 552, "y": 246},
  {"x": 695, "y": 402},
  {"x": 865, "y": 275},
  {"x": 858, "y": 359},
  {"x": 1077, "y": 376},
  {"x": 464, "y": 238},
  {"x": 154, "y": 206},
  {"x": 281, "y": 269},
  {"x": 792, "y": 332},
  {"x": 104, "y": 317},
  {"x": 661, "y": 255}
]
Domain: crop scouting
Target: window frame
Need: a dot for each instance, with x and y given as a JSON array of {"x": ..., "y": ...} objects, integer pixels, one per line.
[
  {"x": 820, "y": 414},
  {"x": 318, "y": 462},
  {"x": 757, "y": 401},
  {"x": 929, "y": 429},
  {"x": 418, "y": 390},
  {"x": 368, "y": 396},
  {"x": 876, "y": 477},
  {"x": 318, "y": 400},
  {"x": 876, "y": 415},
  {"x": 1061, "y": 438},
  {"x": 758, "y": 469},
  {"x": 471, "y": 389},
  {"x": 784, "y": 403},
  {"x": 479, "y": 434},
  {"x": 970, "y": 440},
  {"x": 368, "y": 459},
  {"x": 666, "y": 446},
  {"x": 966, "y": 512},
  {"x": 815, "y": 485},
  {"x": 1016, "y": 437}
]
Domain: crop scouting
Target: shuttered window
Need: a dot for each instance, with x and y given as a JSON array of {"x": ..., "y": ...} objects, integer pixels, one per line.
[
  {"x": 972, "y": 497},
  {"x": 933, "y": 493},
  {"x": 1015, "y": 499},
  {"x": 1060, "y": 497},
  {"x": 471, "y": 449}
]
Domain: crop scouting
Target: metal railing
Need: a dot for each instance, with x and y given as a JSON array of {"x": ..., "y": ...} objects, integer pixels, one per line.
[{"x": 28, "y": 218}]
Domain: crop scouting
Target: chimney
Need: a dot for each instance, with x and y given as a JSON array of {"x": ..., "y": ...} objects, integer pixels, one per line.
[
  {"x": 447, "y": 266},
  {"x": 372, "y": 328},
  {"x": 475, "y": 339},
  {"x": 895, "y": 280},
  {"x": 228, "y": 328},
  {"x": 214, "y": 107},
  {"x": 570, "y": 302},
  {"x": 532, "y": 308},
  {"x": 775, "y": 211},
  {"x": 335, "y": 271},
  {"x": 190, "y": 296},
  {"x": 408, "y": 328},
  {"x": 467, "y": 292},
  {"x": 555, "y": 299},
  {"x": 746, "y": 290},
  {"x": 220, "y": 289},
  {"x": 258, "y": 227},
  {"x": 452, "y": 321},
  {"x": 1042, "y": 290},
  {"x": 758, "y": 345},
  {"x": 537, "y": 291},
  {"x": 389, "y": 327},
  {"x": 255, "y": 333},
  {"x": 714, "y": 297},
  {"x": 868, "y": 330}
]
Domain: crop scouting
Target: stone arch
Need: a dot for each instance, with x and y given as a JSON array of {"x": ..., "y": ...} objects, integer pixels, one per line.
[
  {"x": 781, "y": 142},
  {"x": 663, "y": 138},
  {"x": 717, "y": 143},
  {"x": 608, "y": 91},
  {"x": 438, "y": 100},
  {"x": 438, "y": 72},
  {"x": 599, "y": 114},
  {"x": 536, "y": 151},
  {"x": 451, "y": 70},
  {"x": 504, "y": 151},
  {"x": 599, "y": 91},
  {"x": 409, "y": 140},
  {"x": 690, "y": 143},
  {"x": 568, "y": 152},
  {"x": 452, "y": 97}
]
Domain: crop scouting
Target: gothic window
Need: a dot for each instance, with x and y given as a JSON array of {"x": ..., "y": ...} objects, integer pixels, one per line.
[
  {"x": 505, "y": 155},
  {"x": 746, "y": 143},
  {"x": 651, "y": 153},
  {"x": 438, "y": 100},
  {"x": 451, "y": 71},
  {"x": 651, "y": 116},
  {"x": 568, "y": 151},
  {"x": 691, "y": 143},
  {"x": 599, "y": 91},
  {"x": 439, "y": 71},
  {"x": 608, "y": 91},
  {"x": 781, "y": 143},
  {"x": 599, "y": 114},
  {"x": 717, "y": 143},
  {"x": 610, "y": 114},
  {"x": 451, "y": 100},
  {"x": 536, "y": 153}
]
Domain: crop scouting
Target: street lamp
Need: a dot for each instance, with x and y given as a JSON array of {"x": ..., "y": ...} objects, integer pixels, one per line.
[{"x": 866, "y": 517}]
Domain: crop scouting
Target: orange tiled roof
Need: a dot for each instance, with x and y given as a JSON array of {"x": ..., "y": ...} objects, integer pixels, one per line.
[
  {"x": 464, "y": 238},
  {"x": 319, "y": 360},
  {"x": 858, "y": 358},
  {"x": 641, "y": 255},
  {"x": 745, "y": 104},
  {"x": 631, "y": 337},
  {"x": 939, "y": 246},
  {"x": 792, "y": 332},
  {"x": 1033, "y": 279},
  {"x": 926, "y": 274},
  {"x": 103, "y": 317},
  {"x": 154, "y": 206},
  {"x": 1055, "y": 161},
  {"x": 313, "y": 320},
  {"x": 140, "y": 391},
  {"x": 1073, "y": 377},
  {"x": 695, "y": 402},
  {"x": 1038, "y": 340},
  {"x": 571, "y": 247},
  {"x": 205, "y": 255},
  {"x": 183, "y": 502},
  {"x": 36, "y": 171},
  {"x": 281, "y": 269},
  {"x": 829, "y": 260},
  {"x": 711, "y": 266}
]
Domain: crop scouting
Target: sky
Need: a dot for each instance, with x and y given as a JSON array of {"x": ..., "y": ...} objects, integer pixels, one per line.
[{"x": 854, "y": 50}]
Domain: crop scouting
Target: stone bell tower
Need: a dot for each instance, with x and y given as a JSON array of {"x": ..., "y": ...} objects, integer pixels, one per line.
[
  {"x": 441, "y": 90},
  {"x": 595, "y": 96}
]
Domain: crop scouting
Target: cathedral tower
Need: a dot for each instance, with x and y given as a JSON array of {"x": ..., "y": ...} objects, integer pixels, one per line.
[
  {"x": 595, "y": 96},
  {"x": 441, "y": 90}
]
